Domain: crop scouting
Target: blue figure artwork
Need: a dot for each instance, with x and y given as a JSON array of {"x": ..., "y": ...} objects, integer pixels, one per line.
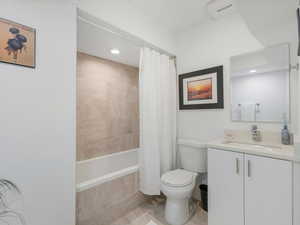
[{"x": 17, "y": 44}]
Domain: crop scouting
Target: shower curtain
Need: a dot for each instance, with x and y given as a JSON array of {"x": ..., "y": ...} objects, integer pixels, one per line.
[{"x": 157, "y": 90}]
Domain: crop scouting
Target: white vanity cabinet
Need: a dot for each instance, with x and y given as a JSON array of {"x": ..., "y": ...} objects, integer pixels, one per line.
[
  {"x": 296, "y": 193},
  {"x": 248, "y": 190},
  {"x": 225, "y": 188},
  {"x": 268, "y": 191}
]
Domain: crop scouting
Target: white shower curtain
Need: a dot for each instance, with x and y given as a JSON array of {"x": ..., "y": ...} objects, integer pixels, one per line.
[{"x": 157, "y": 89}]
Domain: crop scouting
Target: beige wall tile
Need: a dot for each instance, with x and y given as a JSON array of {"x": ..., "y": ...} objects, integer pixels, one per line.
[
  {"x": 107, "y": 107},
  {"x": 107, "y": 202}
]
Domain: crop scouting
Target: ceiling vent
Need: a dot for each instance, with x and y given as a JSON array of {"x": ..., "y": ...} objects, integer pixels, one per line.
[{"x": 219, "y": 8}]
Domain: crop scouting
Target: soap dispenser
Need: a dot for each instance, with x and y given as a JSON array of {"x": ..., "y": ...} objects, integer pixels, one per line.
[{"x": 285, "y": 135}]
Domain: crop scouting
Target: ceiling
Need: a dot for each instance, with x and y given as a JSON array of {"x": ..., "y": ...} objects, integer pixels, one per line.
[
  {"x": 273, "y": 12},
  {"x": 270, "y": 21},
  {"x": 173, "y": 15},
  {"x": 98, "y": 42},
  {"x": 270, "y": 59},
  {"x": 178, "y": 15}
]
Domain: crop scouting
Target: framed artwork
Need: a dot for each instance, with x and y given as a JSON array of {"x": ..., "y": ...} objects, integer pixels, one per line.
[
  {"x": 202, "y": 89},
  {"x": 17, "y": 44}
]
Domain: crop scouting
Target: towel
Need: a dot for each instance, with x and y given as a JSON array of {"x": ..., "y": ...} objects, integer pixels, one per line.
[
  {"x": 248, "y": 112},
  {"x": 236, "y": 112}
]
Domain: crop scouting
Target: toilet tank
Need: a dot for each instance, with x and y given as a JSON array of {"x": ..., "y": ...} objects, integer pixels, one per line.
[{"x": 192, "y": 156}]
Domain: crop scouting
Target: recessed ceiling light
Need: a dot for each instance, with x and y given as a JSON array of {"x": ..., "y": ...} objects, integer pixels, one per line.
[
  {"x": 115, "y": 51},
  {"x": 252, "y": 71}
]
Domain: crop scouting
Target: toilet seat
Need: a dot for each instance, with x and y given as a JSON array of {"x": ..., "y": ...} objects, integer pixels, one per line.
[{"x": 178, "y": 178}]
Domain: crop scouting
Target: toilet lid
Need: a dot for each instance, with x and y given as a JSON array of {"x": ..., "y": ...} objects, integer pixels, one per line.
[{"x": 178, "y": 178}]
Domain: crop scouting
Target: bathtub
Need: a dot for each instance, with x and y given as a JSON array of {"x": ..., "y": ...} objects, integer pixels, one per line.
[{"x": 92, "y": 172}]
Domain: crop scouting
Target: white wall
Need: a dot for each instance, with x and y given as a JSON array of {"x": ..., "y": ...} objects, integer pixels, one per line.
[
  {"x": 278, "y": 25},
  {"x": 286, "y": 33},
  {"x": 37, "y": 115},
  {"x": 209, "y": 45},
  {"x": 124, "y": 16}
]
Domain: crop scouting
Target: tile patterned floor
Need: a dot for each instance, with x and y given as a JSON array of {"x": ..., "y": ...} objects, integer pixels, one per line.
[{"x": 152, "y": 213}]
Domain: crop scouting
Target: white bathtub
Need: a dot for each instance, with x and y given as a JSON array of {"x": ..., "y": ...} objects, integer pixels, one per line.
[{"x": 92, "y": 172}]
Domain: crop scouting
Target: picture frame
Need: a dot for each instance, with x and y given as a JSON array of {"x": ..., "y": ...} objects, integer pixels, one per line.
[
  {"x": 202, "y": 89},
  {"x": 17, "y": 44}
]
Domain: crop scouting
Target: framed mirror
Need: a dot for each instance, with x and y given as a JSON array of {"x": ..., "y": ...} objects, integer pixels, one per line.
[{"x": 260, "y": 85}]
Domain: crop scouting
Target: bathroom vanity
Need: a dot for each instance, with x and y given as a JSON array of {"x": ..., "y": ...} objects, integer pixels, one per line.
[
  {"x": 252, "y": 178},
  {"x": 250, "y": 184}
]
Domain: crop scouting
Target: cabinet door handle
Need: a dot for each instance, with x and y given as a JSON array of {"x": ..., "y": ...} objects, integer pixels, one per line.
[
  {"x": 237, "y": 165},
  {"x": 249, "y": 168}
]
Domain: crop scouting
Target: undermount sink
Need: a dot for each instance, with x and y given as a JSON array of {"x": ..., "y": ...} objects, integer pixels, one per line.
[
  {"x": 254, "y": 146},
  {"x": 264, "y": 148}
]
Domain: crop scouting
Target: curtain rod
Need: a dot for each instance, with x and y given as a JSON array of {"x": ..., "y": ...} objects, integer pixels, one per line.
[{"x": 87, "y": 18}]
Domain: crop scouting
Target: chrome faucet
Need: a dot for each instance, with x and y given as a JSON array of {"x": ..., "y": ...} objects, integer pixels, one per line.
[{"x": 256, "y": 136}]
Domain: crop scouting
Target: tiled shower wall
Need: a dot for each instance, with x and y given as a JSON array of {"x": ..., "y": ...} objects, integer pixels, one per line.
[
  {"x": 107, "y": 122},
  {"x": 107, "y": 107}
]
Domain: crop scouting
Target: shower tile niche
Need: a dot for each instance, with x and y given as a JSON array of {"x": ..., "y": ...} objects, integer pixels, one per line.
[{"x": 107, "y": 107}]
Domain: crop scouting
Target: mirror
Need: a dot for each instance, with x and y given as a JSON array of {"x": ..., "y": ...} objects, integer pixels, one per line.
[{"x": 260, "y": 85}]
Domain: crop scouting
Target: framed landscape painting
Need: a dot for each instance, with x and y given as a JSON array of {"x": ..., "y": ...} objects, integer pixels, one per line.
[
  {"x": 202, "y": 89},
  {"x": 17, "y": 44}
]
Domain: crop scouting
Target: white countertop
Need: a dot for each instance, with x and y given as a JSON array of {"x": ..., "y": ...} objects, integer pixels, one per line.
[{"x": 284, "y": 152}]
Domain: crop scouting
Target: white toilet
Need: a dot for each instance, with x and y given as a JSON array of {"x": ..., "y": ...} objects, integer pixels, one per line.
[{"x": 178, "y": 185}]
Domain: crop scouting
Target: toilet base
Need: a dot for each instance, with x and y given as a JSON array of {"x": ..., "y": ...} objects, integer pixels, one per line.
[{"x": 178, "y": 211}]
